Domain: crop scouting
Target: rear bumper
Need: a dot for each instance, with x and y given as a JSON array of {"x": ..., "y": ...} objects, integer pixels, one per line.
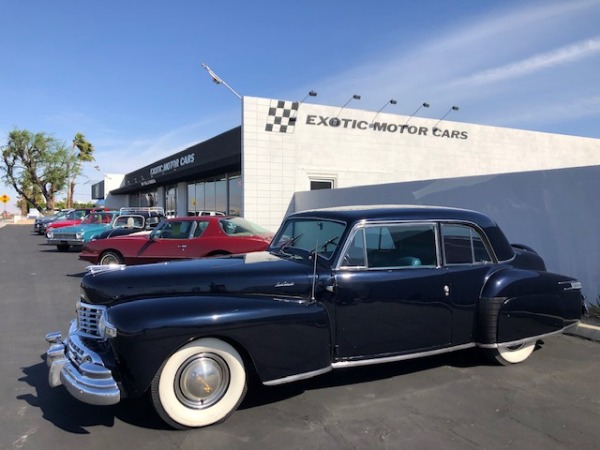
[{"x": 81, "y": 370}]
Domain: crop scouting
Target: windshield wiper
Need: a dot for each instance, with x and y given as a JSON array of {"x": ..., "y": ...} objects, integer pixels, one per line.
[
  {"x": 324, "y": 245},
  {"x": 289, "y": 243}
]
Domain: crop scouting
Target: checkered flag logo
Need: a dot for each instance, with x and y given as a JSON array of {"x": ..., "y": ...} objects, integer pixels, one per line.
[{"x": 282, "y": 116}]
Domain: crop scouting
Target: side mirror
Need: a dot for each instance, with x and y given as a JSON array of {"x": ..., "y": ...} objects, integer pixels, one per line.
[{"x": 154, "y": 235}]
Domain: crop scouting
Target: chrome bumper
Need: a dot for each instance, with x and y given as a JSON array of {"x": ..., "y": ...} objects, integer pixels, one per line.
[
  {"x": 58, "y": 241},
  {"x": 80, "y": 370}
]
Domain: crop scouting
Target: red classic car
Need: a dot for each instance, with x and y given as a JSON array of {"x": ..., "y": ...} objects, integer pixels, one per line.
[
  {"x": 74, "y": 217},
  {"x": 180, "y": 238}
]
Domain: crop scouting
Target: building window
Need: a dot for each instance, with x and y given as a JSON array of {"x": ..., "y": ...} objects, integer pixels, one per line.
[
  {"x": 171, "y": 201},
  {"x": 316, "y": 184},
  {"x": 221, "y": 194}
]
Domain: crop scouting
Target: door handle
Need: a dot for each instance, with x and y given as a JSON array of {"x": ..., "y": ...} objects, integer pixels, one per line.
[{"x": 446, "y": 290}]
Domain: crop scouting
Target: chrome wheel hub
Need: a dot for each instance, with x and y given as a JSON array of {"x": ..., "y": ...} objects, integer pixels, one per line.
[{"x": 202, "y": 380}]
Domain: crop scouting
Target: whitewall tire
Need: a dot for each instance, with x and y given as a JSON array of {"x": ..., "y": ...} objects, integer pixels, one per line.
[
  {"x": 514, "y": 354},
  {"x": 201, "y": 384}
]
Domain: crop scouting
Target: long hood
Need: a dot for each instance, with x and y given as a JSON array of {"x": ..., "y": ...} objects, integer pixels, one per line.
[{"x": 259, "y": 273}]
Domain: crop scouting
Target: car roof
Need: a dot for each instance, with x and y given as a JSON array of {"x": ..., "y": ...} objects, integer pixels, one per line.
[
  {"x": 357, "y": 213},
  {"x": 403, "y": 212}
]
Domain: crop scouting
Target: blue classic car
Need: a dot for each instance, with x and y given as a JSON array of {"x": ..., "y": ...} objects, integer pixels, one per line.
[
  {"x": 77, "y": 235},
  {"x": 337, "y": 288},
  {"x": 103, "y": 224}
]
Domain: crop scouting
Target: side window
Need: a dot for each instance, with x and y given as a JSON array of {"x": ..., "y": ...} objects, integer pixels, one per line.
[
  {"x": 355, "y": 253},
  {"x": 463, "y": 245},
  {"x": 176, "y": 230},
  {"x": 201, "y": 226},
  {"x": 393, "y": 246}
]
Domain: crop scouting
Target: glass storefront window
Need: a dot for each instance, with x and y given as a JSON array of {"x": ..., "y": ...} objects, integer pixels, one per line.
[
  {"x": 222, "y": 194},
  {"x": 235, "y": 195}
]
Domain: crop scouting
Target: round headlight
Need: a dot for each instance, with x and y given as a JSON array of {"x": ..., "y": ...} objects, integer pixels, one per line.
[
  {"x": 79, "y": 235},
  {"x": 50, "y": 234}
]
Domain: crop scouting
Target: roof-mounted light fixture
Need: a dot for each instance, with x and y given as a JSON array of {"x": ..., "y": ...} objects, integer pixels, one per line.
[
  {"x": 218, "y": 80},
  {"x": 424, "y": 105},
  {"x": 310, "y": 94},
  {"x": 454, "y": 108},
  {"x": 389, "y": 102},
  {"x": 354, "y": 97}
]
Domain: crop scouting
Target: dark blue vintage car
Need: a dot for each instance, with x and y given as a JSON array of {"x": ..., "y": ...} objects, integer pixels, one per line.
[{"x": 337, "y": 288}]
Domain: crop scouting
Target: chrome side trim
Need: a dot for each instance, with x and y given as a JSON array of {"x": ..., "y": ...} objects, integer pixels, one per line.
[
  {"x": 529, "y": 339},
  {"x": 300, "y": 376},
  {"x": 368, "y": 362}
]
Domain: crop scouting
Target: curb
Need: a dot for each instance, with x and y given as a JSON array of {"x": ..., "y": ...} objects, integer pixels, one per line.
[{"x": 586, "y": 331}]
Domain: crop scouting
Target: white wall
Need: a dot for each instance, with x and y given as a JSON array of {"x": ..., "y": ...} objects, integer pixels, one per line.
[{"x": 276, "y": 164}]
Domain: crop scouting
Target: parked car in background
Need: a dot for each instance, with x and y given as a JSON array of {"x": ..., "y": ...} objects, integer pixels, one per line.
[
  {"x": 133, "y": 220},
  {"x": 77, "y": 235},
  {"x": 180, "y": 238},
  {"x": 97, "y": 223},
  {"x": 72, "y": 218},
  {"x": 39, "y": 226},
  {"x": 337, "y": 288}
]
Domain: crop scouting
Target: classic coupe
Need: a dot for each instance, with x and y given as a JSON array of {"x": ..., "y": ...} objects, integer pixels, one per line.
[
  {"x": 40, "y": 224},
  {"x": 74, "y": 217},
  {"x": 337, "y": 288},
  {"x": 180, "y": 238},
  {"x": 133, "y": 220},
  {"x": 76, "y": 235}
]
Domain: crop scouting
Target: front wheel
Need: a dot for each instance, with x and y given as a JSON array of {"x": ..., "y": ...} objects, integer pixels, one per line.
[
  {"x": 109, "y": 258},
  {"x": 514, "y": 354},
  {"x": 201, "y": 384}
]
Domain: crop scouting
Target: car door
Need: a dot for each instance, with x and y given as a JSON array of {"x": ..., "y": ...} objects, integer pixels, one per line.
[
  {"x": 168, "y": 243},
  {"x": 391, "y": 295},
  {"x": 469, "y": 260}
]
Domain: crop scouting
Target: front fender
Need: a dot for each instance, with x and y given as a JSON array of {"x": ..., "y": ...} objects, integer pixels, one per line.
[
  {"x": 280, "y": 338},
  {"x": 517, "y": 304}
]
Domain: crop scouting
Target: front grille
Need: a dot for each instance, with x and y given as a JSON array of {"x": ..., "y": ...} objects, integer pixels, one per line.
[
  {"x": 88, "y": 317},
  {"x": 65, "y": 236},
  {"x": 75, "y": 353}
]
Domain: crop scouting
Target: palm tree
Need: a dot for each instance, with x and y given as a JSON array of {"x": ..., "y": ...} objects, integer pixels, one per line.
[{"x": 74, "y": 164}]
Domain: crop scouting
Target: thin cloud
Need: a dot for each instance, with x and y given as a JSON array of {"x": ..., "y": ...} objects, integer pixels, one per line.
[{"x": 536, "y": 63}]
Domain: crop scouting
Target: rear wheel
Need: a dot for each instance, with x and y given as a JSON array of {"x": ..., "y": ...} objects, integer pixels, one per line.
[
  {"x": 514, "y": 354},
  {"x": 109, "y": 258},
  {"x": 201, "y": 384}
]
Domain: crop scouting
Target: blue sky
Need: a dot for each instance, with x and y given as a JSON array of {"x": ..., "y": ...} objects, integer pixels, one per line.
[{"x": 128, "y": 74}]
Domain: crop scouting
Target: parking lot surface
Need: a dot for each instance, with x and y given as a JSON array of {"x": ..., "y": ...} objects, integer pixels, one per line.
[{"x": 454, "y": 401}]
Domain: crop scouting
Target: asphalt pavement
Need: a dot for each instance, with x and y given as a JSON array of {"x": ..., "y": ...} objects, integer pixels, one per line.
[{"x": 452, "y": 401}]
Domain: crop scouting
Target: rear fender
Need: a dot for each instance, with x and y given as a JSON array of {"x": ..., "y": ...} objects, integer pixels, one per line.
[{"x": 519, "y": 304}]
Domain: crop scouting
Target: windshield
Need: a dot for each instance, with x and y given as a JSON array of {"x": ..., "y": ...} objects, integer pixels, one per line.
[
  {"x": 97, "y": 218},
  {"x": 322, "y": 236},
  {"x": 241, "y": 227}
]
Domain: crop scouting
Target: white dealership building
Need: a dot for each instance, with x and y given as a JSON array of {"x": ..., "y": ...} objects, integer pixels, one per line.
[{"x": 283, "y": 147}]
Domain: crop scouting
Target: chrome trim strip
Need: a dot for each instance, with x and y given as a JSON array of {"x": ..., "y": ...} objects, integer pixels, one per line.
[
  {"x": 99, "y": 268},
  {"x": 529, "y": 339},
  {"x": 300, "y": 376},
  {"x": 367, "y": 362}
]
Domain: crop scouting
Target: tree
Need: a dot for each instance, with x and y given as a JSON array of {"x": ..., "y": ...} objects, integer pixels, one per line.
[
  {"x": 74, "y": 165},
  {"x": 34, "y": 165}
]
